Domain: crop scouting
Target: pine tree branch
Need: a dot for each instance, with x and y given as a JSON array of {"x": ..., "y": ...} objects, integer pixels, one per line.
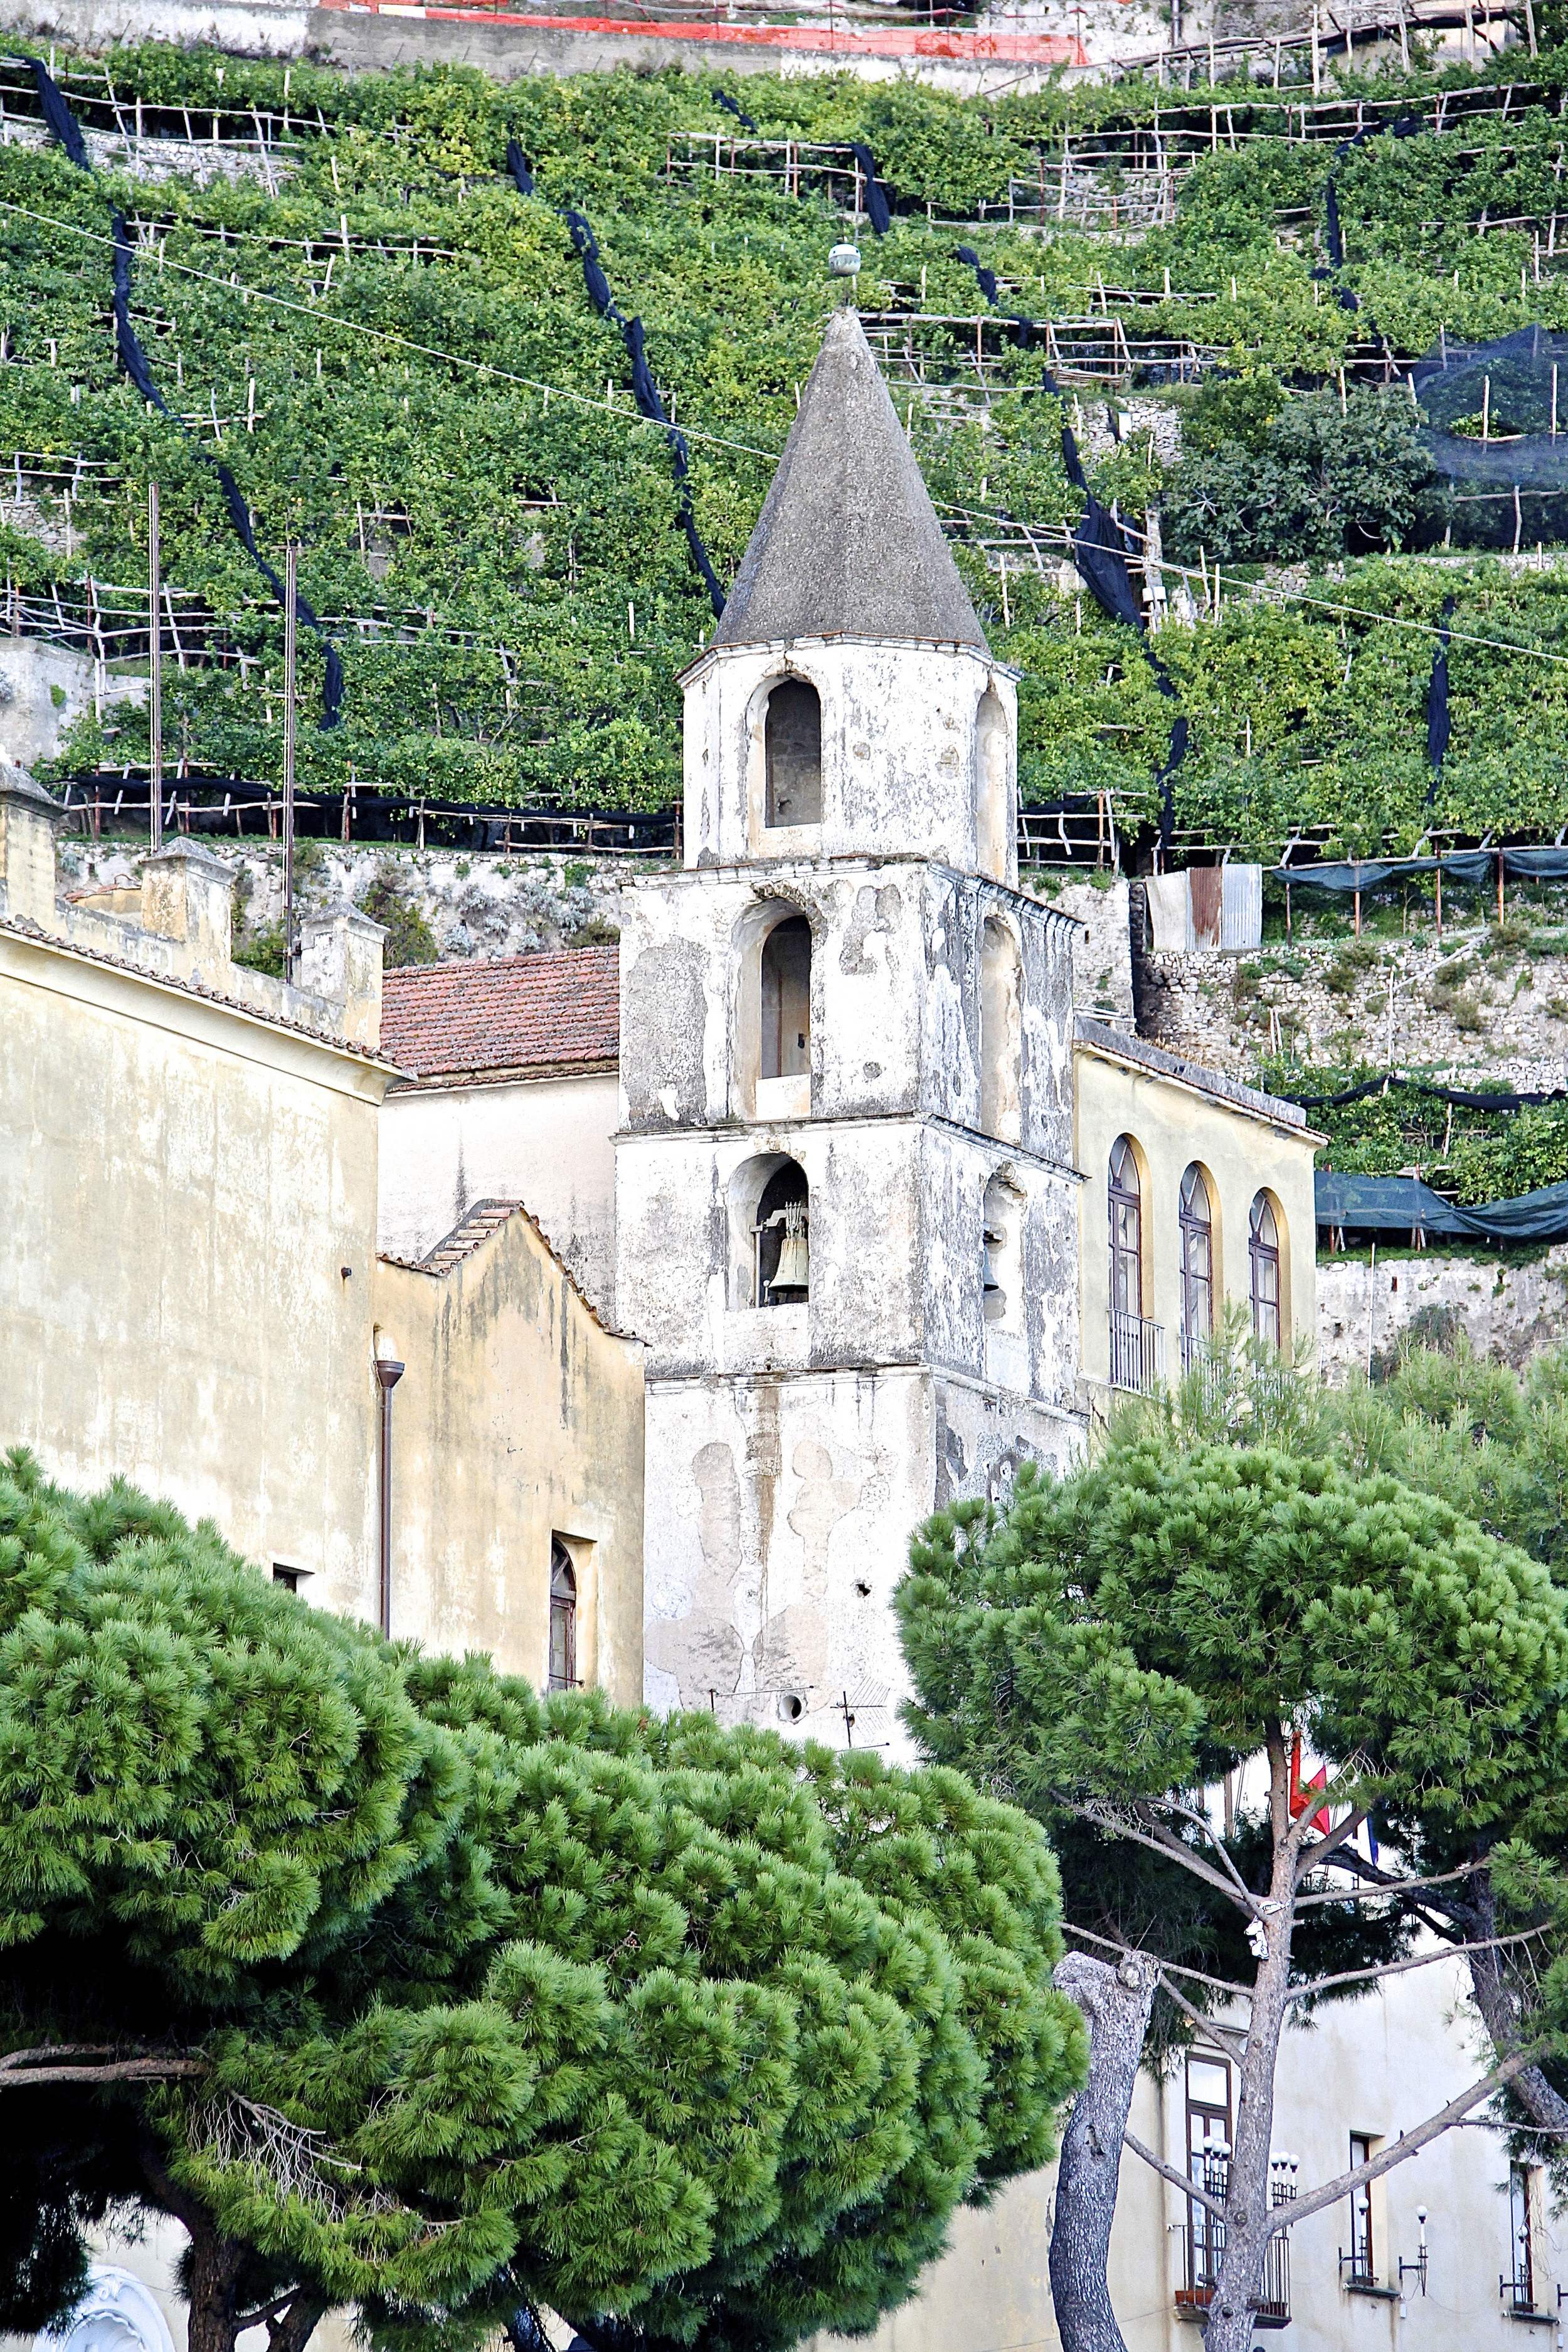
[
  {"x": 1310, "y": 1856},
  {"x": 1234, "y": 2044},
  {"x": 1500, "y": 2015},
  {"x": 1199, "y": 2195},
  {"x": 1385, "y": 1884},
  {"x": 1407, "y": 2145},
  {"x": 266, "y": 2310},
  {"x": 1170, "y": 1846},
  {"x": 22, "y": 2070},
  {"x": 1202, "y": 1821},
  {"x": 1316, "y": 1985},
  {"x": 1108, "y": 1944}
]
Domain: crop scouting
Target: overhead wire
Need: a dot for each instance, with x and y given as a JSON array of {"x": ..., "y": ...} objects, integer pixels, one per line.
[
  {"x": 632, "y": 419},
  {"x": 387, "y": 335}
]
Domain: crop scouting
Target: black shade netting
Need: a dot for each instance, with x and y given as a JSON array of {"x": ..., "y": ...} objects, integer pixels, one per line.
[
  {"x": 732, "y": 106},
  {"x": 1491, "y": 410},
  {"x": 644, "y": 391},
  {"x": 879, "y": 211}
]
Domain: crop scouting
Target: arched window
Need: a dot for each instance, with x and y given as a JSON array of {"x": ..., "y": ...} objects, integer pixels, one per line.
[
  {"x": 562, "y": 1618},
  {"x": 1126, "y": 1200},
  {"x": 780, "y": 1239},
  {"x": 1196, "y": 1218},
  {"x": 992, "y": 788},
  {"x": 1001, "y": 1033},
  {"x": 1263, "y": 1240},
  {"x": 785, "y": 1045},
  {"x": 793, "y": 749}
]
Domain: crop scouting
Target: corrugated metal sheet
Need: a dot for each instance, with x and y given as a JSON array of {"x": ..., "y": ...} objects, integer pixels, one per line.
[
  {"x": 1170, "y": 914},
  {"x": 1241, "y": 917},
  {"x": 1206, "y": 907}
]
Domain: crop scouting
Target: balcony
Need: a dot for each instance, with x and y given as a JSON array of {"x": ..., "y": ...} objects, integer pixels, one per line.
[
  {"x": 1203, "y": 2247},
  {"x": 1517, "y": 2294},
  {"x": 1137, "y": 1354}
]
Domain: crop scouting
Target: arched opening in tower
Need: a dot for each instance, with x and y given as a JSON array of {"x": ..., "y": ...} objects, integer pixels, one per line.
[
  {"x": 785, "y": 1045},
  {"x": 792, "y": 740}
]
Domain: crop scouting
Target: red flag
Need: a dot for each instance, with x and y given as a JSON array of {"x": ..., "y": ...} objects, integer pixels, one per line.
[{"x": 1299, "y": 1788}]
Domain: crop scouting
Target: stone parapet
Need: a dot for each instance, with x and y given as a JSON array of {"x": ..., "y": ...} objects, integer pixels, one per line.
[{"x": 179, "y": 926}]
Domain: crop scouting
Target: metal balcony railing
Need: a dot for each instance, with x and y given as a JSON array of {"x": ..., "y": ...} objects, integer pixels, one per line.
[
  {"x": 1137, "y": 1353},
  {"x": 1518, "y": 2291},
  {"x": 1202, "y": 2249}
]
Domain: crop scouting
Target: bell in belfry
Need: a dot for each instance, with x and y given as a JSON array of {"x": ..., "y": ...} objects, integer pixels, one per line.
[
  {"x": 989, "y": 1285},
  {"x": 792, "y": 1280}
]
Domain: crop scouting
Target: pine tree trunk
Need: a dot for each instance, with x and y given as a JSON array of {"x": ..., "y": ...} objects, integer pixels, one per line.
[
  {"x": 212, "y": 2315},
  {"x": 213, "y": 2318},
  {"x": 1499, "y": 2005},
  {"x": 292, "y": 2329},
  {"x": 1117, "y": 2003},
  {"x": 1249, "y": 2215}
]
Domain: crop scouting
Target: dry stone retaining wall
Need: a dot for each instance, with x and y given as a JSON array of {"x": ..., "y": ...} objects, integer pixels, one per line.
[{"x": 1507, "y": 1312}]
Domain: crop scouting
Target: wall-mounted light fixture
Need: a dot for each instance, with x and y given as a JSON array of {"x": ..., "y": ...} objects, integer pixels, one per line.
[
  {"x": 388, "y": 1372},
  {"x": 1417, "y": 2269}
]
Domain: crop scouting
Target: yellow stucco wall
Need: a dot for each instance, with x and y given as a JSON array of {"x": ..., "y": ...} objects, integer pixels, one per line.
[
  {"x": 179, "y": 1187},
  {"x": 182, "y": 1186},
  {"x": 519, "y": 1417},
  {"x": 1242, "y": 1152}
]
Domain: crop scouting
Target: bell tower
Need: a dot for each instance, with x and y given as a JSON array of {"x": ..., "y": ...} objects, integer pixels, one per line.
[{"x": 845, "y": 1207}]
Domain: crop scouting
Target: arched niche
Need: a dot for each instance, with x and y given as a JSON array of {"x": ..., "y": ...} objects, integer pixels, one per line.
[
  {"x": 771, "y": 1044},
  {"x": 792, "y": 755},
  {"x": 1000, "y": 1032},
  {"x": 770, "y": 1229},
  {"x": 994, "y": 820},
  {"x": 1002, "y": 1283}
]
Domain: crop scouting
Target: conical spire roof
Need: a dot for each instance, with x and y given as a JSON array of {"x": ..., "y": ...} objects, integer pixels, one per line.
[{"x": 848, "y": 542}]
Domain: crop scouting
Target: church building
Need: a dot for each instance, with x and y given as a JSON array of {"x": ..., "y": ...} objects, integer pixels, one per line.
[{"x": 826, "y": 1134}]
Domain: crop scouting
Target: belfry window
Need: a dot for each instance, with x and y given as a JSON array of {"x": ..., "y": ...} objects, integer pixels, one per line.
[
  {"x": 1263, "y": 1240},
  {"x": 785, "y": 1040},
  {"x": 562, "y": 1618},
  {"x": 793, "y": 749},
  {"x": 782, "y": 1239}
]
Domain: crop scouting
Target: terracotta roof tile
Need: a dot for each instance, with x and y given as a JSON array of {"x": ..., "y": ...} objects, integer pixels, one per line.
[{"x": 519, "y": 1013}]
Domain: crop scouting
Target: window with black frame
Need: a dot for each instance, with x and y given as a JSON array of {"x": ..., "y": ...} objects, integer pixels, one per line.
[
  {"x": 1263, "y": 1242},
  {"x": 562, "y": 1618},
  {"x": 1208, "y": 2167},
  {"x": 1195, "y": 1216},
  {"x": 1362, "y": 2268}
]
